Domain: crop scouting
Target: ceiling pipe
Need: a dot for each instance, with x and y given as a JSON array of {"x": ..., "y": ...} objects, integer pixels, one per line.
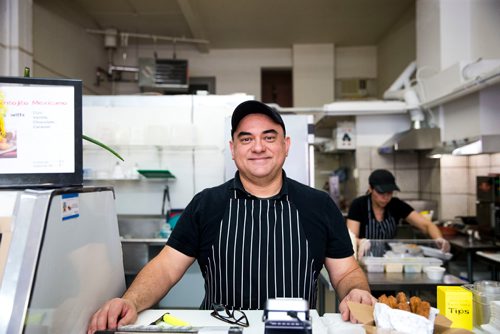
[{"x": 149, "y": 36}]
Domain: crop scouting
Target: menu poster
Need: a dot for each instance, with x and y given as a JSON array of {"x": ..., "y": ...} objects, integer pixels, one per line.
[{"x": 37, "y": 132}]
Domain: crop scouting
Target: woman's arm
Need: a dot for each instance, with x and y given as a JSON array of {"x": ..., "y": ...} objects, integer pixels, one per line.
[
  {"x": 427, "y": 227},
  {"x": 353, "y": 226},
  {"x": 424, "y": 225}
]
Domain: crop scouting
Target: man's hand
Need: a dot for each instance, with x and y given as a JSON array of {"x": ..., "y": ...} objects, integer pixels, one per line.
[
  {"x": 358, "y": 296},
  {"x": 116, "y": 312}
]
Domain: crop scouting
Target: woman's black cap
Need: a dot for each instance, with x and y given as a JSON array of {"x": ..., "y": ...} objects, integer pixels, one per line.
[
  {"x": 382, "y": 181},
  {"x": 254, "y": 107}
]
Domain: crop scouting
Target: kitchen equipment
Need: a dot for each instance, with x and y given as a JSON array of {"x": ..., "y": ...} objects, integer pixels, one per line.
[
  {"x": 488, "y": 206},
  {"x": 483, "y": 293},
  {"x": 64, "y": 260}
]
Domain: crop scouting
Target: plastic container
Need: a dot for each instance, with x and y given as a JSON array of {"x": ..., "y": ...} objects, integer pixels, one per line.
[
  {"x": 394, "y": 267},
  {"x": 413, "y": 268},
  {"x": 434, "y": 273},
  {"x": 483, "y": 293},
  {"x": 396, "y": 264}
]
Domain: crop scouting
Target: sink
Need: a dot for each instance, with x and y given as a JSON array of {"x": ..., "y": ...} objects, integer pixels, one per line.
[
  {"x": 139, "y": 226},
  {"x": 137, "y": 254}
]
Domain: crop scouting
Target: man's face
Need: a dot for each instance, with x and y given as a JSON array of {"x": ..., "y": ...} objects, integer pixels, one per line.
[{"x": 259, "y": 148}]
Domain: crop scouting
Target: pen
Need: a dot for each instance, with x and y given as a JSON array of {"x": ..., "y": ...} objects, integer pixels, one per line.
[{"x": 171, "y": 320}]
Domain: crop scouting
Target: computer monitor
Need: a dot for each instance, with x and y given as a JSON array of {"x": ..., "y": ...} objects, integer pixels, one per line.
[{"x": 40, "y": 132}]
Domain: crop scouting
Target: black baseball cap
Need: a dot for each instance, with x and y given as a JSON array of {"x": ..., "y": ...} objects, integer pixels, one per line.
[
  {"x": 254, "y": 107},
  {"x": 382, "y": 181}
]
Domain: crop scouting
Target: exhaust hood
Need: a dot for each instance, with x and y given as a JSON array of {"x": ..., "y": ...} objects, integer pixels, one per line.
[
  {"x": 420, "y": 136},
  {"x": 412, "y": 139},
  {"x": 468, "y": 146},
  {"x": 480, "y": 145}
]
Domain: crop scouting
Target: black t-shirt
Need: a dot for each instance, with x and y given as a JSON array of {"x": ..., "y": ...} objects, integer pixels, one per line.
[
  {"x": 370, "y": 228},
  {"x": 250, "y": 249}
]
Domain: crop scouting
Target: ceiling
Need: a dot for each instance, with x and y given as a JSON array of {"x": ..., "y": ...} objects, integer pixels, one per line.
[{"x": 241, "y": 23}]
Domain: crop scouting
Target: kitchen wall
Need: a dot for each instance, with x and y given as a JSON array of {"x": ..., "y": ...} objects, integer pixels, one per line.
[
  {"x": 396, "y": 50},
  {"x": 457, "y": 179},
  {"x": 184, "y": 134},
  {"x": 63, "y": 49}
]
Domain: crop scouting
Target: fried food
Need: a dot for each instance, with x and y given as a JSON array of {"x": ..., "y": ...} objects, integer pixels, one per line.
[
  {"x": 400, "y": 302},
  {"x": 423, "y": 309},
  {"x": 401, "y": 297},
  {"x": 404, "y": 307},
  {"x": 383, "y": 299},
  {"x": 393, "y": 303},
  {"x": 414, "y": 301}
]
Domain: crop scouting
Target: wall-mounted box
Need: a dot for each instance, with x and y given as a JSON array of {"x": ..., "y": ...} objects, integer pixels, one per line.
[{"x": 344, "y": 136}]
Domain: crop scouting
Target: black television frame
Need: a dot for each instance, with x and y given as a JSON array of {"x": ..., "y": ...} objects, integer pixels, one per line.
[{"x": 51, "y": 180}]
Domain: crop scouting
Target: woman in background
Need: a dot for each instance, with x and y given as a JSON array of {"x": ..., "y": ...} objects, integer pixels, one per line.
[{"x": 376, "y": 214}]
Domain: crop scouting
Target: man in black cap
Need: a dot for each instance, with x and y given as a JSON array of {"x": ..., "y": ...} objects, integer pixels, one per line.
[
  {"x": 259, "y": 235},
  {"x": 377, "y": 214}
]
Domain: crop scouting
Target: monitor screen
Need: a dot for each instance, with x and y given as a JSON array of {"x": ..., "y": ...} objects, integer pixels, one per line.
[{"x": 40, "y": 132}]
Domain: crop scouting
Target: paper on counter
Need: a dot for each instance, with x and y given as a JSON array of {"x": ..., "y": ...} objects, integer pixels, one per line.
[
  {"x": 334, "y": 324},
  {"x": 403, "y": 321}
]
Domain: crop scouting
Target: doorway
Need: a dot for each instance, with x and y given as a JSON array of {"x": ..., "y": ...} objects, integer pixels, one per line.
[{"x": 276, "y": 86}]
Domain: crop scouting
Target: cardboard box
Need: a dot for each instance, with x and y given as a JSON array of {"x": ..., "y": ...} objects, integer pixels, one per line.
[
  {"x": 455, "y": 303},
  {"x": 364, "y": 314}
]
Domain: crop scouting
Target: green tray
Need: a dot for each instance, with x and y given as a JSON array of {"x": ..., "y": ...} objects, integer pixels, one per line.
[{"x": 156, "y": 173}]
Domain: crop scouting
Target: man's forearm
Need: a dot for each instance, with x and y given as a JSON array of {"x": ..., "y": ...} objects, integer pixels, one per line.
[
  {"x": 355, "y": 279},
  {"x": 148, "y": 287}
]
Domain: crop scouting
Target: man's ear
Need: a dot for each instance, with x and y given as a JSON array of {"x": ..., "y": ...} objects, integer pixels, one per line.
[
  {"x": 287, "y": 144},
  {"x": 231, "y": 147}
]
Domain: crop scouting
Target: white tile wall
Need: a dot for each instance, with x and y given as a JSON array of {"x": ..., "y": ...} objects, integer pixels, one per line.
[
  {"x": 406, "y": 160},
  {"x": 425, "y": 180},
  {"x": 495, "y": 160},
  {"x": 363, "y": 157},
  {"x": 363, "y": 181},
  {"x": 408, "y": 180},
  {"x": 454, "y": 180},
  {"x": 381, "y": 160},
  {"x": 453, "y": 205},
  {"x": 481, "y": 160},
  {"x": 454, "y": 161}
]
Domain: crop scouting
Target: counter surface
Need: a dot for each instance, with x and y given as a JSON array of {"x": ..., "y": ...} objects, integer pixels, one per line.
[{"x": 199, "y": 318}]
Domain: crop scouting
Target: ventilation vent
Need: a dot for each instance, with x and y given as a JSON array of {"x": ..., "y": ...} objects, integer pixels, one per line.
[
  {"x": 168, "y": 74},
  {"x": 354, "y": 88}
]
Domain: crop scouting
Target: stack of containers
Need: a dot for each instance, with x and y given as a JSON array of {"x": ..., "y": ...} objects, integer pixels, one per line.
[{"x": 483, "y": 294}]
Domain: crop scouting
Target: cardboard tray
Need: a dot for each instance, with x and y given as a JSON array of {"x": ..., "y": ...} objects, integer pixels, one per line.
[{"x": 364, "y": 314}]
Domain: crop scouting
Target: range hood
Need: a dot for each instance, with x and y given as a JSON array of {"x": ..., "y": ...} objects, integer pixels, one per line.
[
  {"x": 480, "y": 145},
  {"x": 420, "y": 136},
  {"x": 484, "y": 144},
  {"x": 412, "y": 139}
]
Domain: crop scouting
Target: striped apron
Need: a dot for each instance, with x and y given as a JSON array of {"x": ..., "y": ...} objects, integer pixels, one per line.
[{"x": 261, "y": 252}]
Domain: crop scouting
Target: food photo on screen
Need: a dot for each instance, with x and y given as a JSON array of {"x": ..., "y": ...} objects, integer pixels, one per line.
[{"x": 8, "y": 138}]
